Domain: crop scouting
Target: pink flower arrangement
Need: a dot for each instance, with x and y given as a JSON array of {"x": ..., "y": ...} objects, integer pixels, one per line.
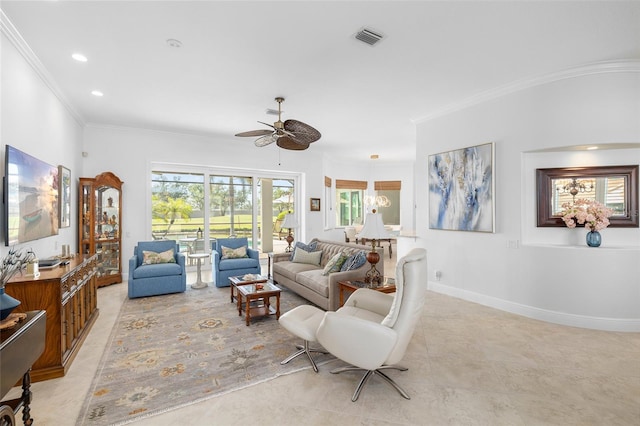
[{"x": 592, "y": 214}]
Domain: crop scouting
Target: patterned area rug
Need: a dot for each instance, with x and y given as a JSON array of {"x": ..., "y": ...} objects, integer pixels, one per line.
[{"x": 167, "y": 352}]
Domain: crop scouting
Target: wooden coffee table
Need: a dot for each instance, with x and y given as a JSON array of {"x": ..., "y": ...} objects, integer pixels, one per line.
[
  {"x": 352, "y": 286},
  {"x": 254, "y": 296}
]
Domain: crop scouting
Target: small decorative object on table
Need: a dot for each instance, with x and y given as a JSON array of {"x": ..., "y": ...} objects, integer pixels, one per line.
[
  {"x": 592, "y": 214},
  {"x": 14, "y": 261}
]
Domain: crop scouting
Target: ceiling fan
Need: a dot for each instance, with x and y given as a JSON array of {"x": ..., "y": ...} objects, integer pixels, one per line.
[{"x": 290, "y": 134}]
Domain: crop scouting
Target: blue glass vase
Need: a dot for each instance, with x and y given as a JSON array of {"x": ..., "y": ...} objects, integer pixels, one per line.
[
  {"x": 7, "y": 304},
  {"x": 594, "y": 239}
]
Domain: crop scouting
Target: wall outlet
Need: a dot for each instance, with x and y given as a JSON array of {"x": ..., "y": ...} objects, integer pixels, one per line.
[{"x": 437, "y": 275}]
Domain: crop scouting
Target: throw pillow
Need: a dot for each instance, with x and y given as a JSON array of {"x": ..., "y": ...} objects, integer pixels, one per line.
[
  {"x": 231, "y": 253},
  {"x": 152, "y": 258},
  {"x": 306, "y": 247},
  {"x": 312, "y": 258},
  {"x": 335, "y": 263},
  {"x": 354, "y": 261}
]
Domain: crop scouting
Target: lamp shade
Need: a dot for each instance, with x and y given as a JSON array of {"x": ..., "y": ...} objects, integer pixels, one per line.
[
  {"x": 290, "y": 221},
  {"x": 373, "y": 228}
]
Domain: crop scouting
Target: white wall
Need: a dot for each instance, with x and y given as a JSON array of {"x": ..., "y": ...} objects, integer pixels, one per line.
[
  {"x": 544, "y": 275},
  {"x": 34, "y": 120}
]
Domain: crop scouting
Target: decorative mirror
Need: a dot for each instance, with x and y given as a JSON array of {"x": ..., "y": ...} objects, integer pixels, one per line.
[{"x": 614, "y": 186}]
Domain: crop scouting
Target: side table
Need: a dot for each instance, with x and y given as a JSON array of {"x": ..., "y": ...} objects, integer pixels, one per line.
[
  {"x": 20, "y": 347},
  {"x": 198, "y": 257},
  {"x": 352, "y": 286}
]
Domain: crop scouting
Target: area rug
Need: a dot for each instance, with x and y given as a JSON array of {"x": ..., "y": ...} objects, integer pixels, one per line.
[{"x": 167, "y": 352}]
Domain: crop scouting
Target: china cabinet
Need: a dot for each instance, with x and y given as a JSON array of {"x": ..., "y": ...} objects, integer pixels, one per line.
[{"x": 100, "y": 228}]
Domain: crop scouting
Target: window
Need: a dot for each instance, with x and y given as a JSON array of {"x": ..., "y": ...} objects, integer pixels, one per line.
[
  {"x": 177, "y": 204},
  {"x": 350, "y": 202},
  {"x": 231, "y": 202}
]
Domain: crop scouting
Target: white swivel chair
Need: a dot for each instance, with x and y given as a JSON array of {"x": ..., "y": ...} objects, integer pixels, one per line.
[{"x": 372, "y": 330}]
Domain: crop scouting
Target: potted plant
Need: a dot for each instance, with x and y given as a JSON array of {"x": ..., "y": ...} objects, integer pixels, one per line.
[{"x": 11, "y": 264}]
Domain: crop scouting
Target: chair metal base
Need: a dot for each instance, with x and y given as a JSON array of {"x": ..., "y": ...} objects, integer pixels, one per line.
[
  {"x": 305, "y": 350},
  {"x": 369, "y": 373}
]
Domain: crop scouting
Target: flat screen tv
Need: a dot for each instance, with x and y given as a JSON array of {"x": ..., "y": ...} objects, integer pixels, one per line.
[{"x": 30, "y": 198}]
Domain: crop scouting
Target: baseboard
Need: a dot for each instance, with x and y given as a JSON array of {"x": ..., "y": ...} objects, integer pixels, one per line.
[{"x": 595, "y": 323}]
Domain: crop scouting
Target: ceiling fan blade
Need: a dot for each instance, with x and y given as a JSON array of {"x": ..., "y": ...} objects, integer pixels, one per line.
[
  {"x": 301, "y": 131},
  {"x": 285, "y": 142},
  {"x": 254, "y": 133},
  {"x": 266, "y": 140},
  {"x": 267, "y": 124}
]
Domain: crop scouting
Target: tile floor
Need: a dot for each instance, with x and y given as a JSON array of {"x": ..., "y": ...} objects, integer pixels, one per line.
[{"x": 468, "y": 365}]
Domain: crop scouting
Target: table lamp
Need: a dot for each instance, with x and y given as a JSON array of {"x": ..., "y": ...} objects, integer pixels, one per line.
[
  {"x": 290, "y": 222},
  {"x": 373, "y": 230}
]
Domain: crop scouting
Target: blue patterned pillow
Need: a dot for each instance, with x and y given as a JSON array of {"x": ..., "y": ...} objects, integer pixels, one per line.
[
  {"x": 306, "y": 247},
  {"x": 354, "y": 261}
]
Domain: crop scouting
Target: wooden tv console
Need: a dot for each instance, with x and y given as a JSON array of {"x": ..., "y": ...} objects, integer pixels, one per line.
[{"x": 69, "y": 295}]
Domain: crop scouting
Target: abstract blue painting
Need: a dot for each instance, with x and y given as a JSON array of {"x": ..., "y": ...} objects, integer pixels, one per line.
[{"x": 461, "y": 188}]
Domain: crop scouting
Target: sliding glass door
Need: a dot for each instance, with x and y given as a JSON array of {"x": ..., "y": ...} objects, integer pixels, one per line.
[
  {"x": 239, "y": 204},
  {"x": 231, "y": 211}
]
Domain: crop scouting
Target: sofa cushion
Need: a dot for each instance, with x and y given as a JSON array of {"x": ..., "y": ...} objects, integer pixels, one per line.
[
  {"x": 289, "y": 270},
  {"x": 335, "y": 263},
  {"x": 153, "y": 258},
  {"x": 354, "y": 261},
  {"x": 157, "y": 270},
  {"x": 312, "y": 258},
  {"x": 312, "y": 246},
  {"x": 233, "y": 253},
  {"x": 241, "y": 263},
  {"x": 314, "y": 280}
]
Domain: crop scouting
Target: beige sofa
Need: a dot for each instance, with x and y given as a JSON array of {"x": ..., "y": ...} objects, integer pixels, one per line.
[{"x": 308, "y": 281}]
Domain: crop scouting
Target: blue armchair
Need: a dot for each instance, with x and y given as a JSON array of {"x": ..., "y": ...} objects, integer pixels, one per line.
[
  {"x": 159, "y": 278},
  {"x": 225, "y": 268}
]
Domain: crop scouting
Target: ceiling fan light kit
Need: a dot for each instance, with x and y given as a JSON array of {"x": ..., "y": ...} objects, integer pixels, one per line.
[{"x": 291, "y": 134}]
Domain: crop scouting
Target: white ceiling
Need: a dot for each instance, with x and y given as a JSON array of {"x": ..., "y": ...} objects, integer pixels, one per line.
[{"x": 237, "y": 56}]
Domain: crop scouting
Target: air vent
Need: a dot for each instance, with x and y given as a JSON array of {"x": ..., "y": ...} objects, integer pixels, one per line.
[
  {"x": 271, "y": 111},
  {"x": 368, "y": 36}
]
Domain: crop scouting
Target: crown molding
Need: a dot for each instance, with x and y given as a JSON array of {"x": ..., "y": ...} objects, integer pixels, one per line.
[
  {"x": 621, "y": 66},
  {"x": 11, "y": 32}
]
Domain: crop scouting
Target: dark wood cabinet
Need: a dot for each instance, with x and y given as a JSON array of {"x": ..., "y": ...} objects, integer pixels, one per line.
[
  {"x": 68, "y": 294},
  {"x": 100, "y": 225}
]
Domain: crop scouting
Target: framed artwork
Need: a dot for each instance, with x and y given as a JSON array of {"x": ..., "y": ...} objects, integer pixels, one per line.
[
  {"x": 462, "y": 188},
  {"x": 64, "y": 197},
  {"x": 314, "y": 204}
]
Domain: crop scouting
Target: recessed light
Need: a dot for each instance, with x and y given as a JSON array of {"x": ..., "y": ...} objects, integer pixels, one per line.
[
  {"x": 374, "y": 156},
  {"x": 591, "y": 148},
  {"x": 97, "y": 93},
  {"x": 79, "y": 57}
]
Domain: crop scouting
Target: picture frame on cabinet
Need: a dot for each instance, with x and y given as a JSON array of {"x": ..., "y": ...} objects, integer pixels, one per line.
[
  {"x": 462, "y": 189},
  {"x": 64, "y": 197},
  {"x": 314, "y": 204}
]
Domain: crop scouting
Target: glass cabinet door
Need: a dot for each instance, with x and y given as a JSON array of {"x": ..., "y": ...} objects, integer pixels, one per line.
[
  {"x": 100, "y": 229},
  {"x": 86, "y": 218},
  {"x": 107, "y": 224}
]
